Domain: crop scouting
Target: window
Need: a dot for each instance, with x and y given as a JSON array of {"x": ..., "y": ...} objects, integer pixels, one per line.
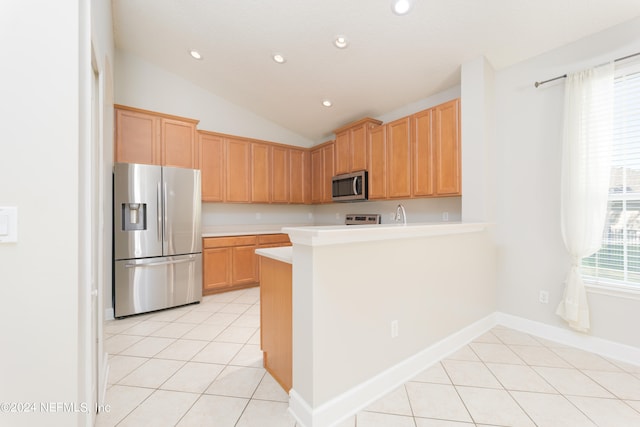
[{"x": 618, "y": 260}]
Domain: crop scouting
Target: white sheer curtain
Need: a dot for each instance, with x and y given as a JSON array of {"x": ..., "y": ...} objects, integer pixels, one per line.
[{"x": 586, "y": 166}]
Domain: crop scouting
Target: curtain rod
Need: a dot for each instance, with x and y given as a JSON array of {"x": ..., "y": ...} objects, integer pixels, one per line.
[{"x": 536, "y": 84}]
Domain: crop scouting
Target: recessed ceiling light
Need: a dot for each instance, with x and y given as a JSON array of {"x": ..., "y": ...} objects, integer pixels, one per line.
[
  {"x": 279, "y": 58},
  {"x": 195, "y": 54},
  {"x": 341, "y": 42},
  {"x": 401, "y": 7},
  {"x": 327, "y": 103}
]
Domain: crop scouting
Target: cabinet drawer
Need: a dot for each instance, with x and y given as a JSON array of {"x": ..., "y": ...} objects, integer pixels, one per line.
[
  {"x": 267, "y": 239},
  {"x": 221, "y": 242}
]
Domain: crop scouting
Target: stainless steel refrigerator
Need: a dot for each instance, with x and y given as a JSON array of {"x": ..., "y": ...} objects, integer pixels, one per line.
[{"x": 156, "y": 236}]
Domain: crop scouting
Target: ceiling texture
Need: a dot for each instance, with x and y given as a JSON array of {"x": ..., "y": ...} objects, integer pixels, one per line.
[{"x": 391, "y": 60}]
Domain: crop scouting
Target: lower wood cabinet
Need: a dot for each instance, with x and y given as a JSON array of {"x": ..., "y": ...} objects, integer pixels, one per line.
[
  {"x": 231, "y": 263},
  {"x": 276, "y": 338},
  {"x": 228, "y": 262}
]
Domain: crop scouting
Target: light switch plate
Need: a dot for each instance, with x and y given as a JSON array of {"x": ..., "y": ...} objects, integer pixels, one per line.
[{"x": 8, "y": 224}]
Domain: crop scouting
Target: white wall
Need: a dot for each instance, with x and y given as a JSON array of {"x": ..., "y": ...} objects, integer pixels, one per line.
[
  {"x": 422, "y": 104},
  {"x": 477, "y": 129},
  {"x": 255, "y": 214},
  {"x": 39, "y": 292},
  {"x": 418, "y": 210},
  {"x": 528, "y": 139},
  {"x": 342, "y": 315},
  {"x": 143, "y": 85},
  {"x": 104, "y": 51}
]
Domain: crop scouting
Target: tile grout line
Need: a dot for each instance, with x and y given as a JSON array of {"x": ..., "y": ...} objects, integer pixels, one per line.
[
  {"x": 551, "y": 385},
  {"x": 502, "y": 341},
  {"x": 444, "y": 368},
  {"x": 185, "y": 362}
]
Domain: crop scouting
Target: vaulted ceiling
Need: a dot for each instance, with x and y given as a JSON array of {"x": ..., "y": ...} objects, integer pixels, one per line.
[{"x": 390, "y": 61}]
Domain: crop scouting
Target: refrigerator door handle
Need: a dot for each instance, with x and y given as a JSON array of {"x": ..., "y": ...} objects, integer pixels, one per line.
[
  {"x": 165, "y": 212},
  {"x": 159, "y": 206},
  {"x": 155, "y": 264}
]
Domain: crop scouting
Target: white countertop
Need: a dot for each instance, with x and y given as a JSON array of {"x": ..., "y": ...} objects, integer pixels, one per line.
[
  {"x": 283, "y": 253},
  {"x": 341, "y": 234},
  {"x": 243, "y": 230}
]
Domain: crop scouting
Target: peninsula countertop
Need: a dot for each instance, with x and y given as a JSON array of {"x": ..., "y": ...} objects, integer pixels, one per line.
[
  {"x": 342, "y": 234},
  {"x": 283, "y": 253}
]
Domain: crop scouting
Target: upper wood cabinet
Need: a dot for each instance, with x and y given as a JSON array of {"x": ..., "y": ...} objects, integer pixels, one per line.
[
  {"x": 398, "y": 159},
  {"x": 237, "y": 175},
  {"x": 415, "y": 156},
  {"x": 317, "y": 173},
  {"x": 212, "y": 162},
  {"x": 280, "y": 178},
  {"x": 260, "y": 173},
  {"x": 377, "y": 153},
  {"x": 299, "y": 176},
  {"x": 322, "y": 170},
  {"x": 351, "y": 145},
  {"x": 446, "y": 142},
  {"x": 329, "y": 172},
  {"x": 137, "y": 137},
  {"x": 422, "y": 154},
  {"x": 179, "y": 146},
  {"x": 157, "y": 139}
]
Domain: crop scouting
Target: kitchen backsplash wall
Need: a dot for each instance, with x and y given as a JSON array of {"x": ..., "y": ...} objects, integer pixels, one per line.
[
  {"x": 250, "y": 214},
  {"x": 418, "y": 210}
]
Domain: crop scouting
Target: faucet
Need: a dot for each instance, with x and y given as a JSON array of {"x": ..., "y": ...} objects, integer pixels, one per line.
[{"x": 401, "y": 212}]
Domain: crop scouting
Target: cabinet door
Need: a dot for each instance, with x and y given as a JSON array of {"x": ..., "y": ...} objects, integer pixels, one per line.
[
  {"x": 342, "y": 153},
  {"x": 399, "y": 159},
  {"x": 279, "y": 174},
  {"x": 178, "y": 143},
  {"x": 260, "y": 191},
  {"x": 299, "y": 176},
  {"x": 422, "y": 154},
  {"x": 317, "y": 174},
  {"x": 238, "y": 172},
  {"x": 276, "y": 337},
  {"x": 243, "y": 269},
  {"x": 328, "y": 172},
  {"x": 447, "y": 148},
  {"x": 216, "y": 269},
  {"x": 212, "y": 167},
  {"x": 358, "y": 148},
  {"x": 377, "y": 153},
  {"x": 137, "y": 138}
]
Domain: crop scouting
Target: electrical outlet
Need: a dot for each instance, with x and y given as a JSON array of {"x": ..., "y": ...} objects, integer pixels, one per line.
[
  {"x": 337, "y": 216},
  {"x": 445, "y": 216},
  {"x": 392, "y": 216},
  {"x": 310, "y": 215},
  {"x": 258, "y": 215},
  {"x": 543, "y": 297},
  {"x": 394, "y": 329}
]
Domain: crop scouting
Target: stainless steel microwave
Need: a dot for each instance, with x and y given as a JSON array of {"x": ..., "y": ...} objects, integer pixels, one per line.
[{"x": 350, "y": 187}]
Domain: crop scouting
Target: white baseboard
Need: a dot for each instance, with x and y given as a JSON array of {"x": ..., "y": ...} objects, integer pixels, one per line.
[
  {"x": 359, "y": 397},
  {"x": 109, "y": 314},
  {"x": 606, "y": 348}
]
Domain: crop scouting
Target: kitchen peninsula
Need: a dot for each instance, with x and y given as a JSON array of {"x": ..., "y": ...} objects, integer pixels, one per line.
[{"x": 372, "y": 306}]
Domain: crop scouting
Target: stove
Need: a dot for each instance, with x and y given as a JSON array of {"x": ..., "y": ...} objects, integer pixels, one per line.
[{"x": 361, "y": 219}]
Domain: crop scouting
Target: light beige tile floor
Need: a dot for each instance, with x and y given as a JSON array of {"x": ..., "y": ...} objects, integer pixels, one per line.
[{"x": 201, "y": 365}]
